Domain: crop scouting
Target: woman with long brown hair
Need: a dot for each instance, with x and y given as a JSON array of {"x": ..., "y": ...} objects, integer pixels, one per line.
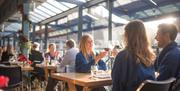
[{"x": 134, "y": 64}]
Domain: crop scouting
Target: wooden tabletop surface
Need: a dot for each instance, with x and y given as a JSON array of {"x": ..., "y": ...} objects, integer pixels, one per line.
[{"x": 82, "y": 79}]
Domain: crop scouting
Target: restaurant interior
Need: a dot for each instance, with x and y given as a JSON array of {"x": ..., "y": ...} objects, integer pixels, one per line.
[{"x": 46, "y": 25}]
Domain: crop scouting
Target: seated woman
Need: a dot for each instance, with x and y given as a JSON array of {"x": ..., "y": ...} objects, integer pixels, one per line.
[
  {"x": 84, "y": 60},
  {"x": 52, "y": 54},
  {"x": 87, "y": 57},
  {"x": 133, "y": 65},
  {"x": 8, "y": 54}
]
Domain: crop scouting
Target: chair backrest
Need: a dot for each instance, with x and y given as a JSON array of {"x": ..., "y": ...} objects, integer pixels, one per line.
[
  {"x": 13, "y": 72},
  {"x": 150, "y": 85}
]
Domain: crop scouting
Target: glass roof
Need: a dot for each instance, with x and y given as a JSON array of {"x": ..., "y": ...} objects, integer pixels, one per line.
[
  {"x": 13, "y": 27},
  {"x": 123, "y": 2},
  {"x": 103, "y": 12},
  {"x": 48, "y": 9},
  {"x": 53, "y": 7},
  {"x": 154, "y": 11}
]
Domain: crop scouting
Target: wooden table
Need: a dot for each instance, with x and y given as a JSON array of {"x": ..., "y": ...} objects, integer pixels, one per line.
[
  {"x": 82, "y": 79},
  {"x": 48, "y": 69},
  {"x": 27, "y": 68}
]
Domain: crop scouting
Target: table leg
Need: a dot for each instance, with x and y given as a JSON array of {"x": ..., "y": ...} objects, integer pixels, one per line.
[
  {"x": 46, "y": 73},
  {"x": 71, "y": 87},
  {"x": 86, "y": 89}
]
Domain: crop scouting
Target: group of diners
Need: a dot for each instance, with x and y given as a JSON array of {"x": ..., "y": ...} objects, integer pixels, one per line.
[{"x": 135, "y": 63}]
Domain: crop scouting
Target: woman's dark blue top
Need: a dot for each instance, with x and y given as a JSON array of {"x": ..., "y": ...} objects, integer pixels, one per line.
[
  {"x": 127, "y": 74},
  {"x": 83, "y": 66}
]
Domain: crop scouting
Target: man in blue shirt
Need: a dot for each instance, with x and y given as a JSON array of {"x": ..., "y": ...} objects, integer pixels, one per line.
[{"x": 168, "y": 62}]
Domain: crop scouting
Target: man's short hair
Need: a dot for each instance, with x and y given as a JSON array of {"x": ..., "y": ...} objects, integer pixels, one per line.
[
  {"x": 171, "y": 29},
  {"x": 70, "y": 43}
]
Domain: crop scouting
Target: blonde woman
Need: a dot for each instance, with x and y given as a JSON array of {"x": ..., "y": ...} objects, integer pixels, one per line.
[
  {"x": 133, "y": 64},
  {"x": 52, "y": 53},
  {"x": 87, "y": 57}
]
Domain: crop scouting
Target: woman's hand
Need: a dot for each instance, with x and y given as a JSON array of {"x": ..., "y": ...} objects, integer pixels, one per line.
[{"x": 100, "y": 55}]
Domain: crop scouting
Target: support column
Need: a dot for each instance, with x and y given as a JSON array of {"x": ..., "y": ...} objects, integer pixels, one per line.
[
  {"x": 80, "y": 13},
  {"x": 4, "y": 41},
  {"x": 45, "y": 36},
  {"x": 110, "y": 5},
  {"x": 8, "y": 40},
  {"x": 68, "y": 24},
  {"x": 14, "y": 40},
  {"x": 1, "y": 42},
  {"x": 33, "y": 33},
  {"x": 26, "y": 24}
]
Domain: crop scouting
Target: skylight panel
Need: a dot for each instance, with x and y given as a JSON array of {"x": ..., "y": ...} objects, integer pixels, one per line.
[
  {"x": 35, "y": 18},
  {"x": 68, "y": 4},
  {"x": 168, "y": 8},
  {"x": 58, "y": 5},
  {"x": 42, "y": 13},
  {"x": 52, "y": 8},
  {"x": 13, "y": 27},
  {"x": 123, "y": 2},
  {"x": 82, "y": 1},
  {"x": 38, "y": 16},
  {"x": 46, "y": 10},
  {"x": 103, "y": 12}
]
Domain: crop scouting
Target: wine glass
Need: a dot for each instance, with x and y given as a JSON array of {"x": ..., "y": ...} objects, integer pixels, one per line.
[
  {"x": 47, "y": 60},
  {"x": 108, "y": 45}
]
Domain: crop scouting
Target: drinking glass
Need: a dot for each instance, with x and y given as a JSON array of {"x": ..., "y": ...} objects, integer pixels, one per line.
[{"x": 93, "y": 70}]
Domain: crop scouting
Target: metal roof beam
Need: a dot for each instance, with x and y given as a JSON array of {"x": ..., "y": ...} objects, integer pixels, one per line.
[
  {"x": 70, "y": 11},
  {"x": 134, "y": 10},
  {"x": 150, "y": 2},
  {"x": 153, "y": 4},
  {"x": 9, "y": 31},
  {"x": 13, "y": 21},
  {"x": 172, "y": 14},
  {"x": 72, "y": 1}
]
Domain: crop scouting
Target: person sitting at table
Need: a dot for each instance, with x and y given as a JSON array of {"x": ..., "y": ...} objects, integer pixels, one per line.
[
  {"x": 52, "y": 54},
  {"x": 134, "y": 63},
  {"x": 167, "y": 63},
  {"x": 87, "y": 57},
  {"x": 8, "y": 54},
  {"x": 36, "y": 57},
  {"x": 69, "y": 57}
]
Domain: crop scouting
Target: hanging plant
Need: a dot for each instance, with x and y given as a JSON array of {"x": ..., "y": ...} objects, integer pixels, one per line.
[{"x": 24, "y": 43}]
